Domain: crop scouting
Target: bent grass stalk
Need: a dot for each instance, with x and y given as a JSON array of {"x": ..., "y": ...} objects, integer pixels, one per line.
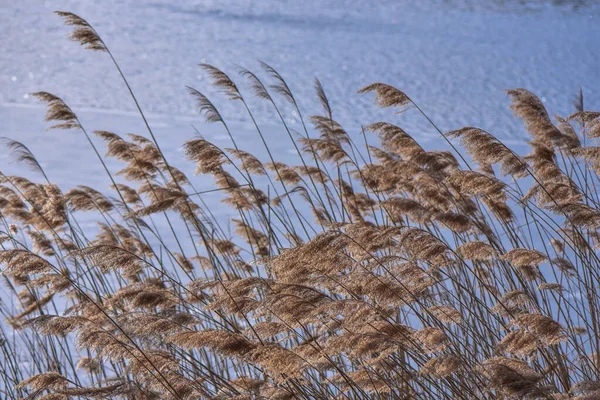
[{"x": 414, "y": 275}]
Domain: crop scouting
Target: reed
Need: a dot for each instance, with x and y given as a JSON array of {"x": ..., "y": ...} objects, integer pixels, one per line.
[{"x": 383, "y": 271}]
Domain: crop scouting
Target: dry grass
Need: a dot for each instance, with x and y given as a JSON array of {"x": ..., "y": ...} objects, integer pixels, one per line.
[{"x": 388, "y": 272}]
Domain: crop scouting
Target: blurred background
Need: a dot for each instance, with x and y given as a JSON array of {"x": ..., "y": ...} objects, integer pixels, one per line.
[{"x": 455, "y": 58}]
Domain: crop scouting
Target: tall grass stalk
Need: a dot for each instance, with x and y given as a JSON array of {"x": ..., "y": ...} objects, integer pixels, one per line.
[{"x": 383, "y": 271}]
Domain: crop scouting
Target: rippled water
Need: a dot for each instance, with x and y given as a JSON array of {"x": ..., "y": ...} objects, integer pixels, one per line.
[{"x": 454, "y": 57}]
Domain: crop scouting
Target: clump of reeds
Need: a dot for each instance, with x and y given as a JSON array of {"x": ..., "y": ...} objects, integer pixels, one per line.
[{"x": 363, "y": 271}]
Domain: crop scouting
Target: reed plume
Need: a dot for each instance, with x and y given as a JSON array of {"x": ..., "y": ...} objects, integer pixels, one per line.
[{"x": 387, "y": 270}]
